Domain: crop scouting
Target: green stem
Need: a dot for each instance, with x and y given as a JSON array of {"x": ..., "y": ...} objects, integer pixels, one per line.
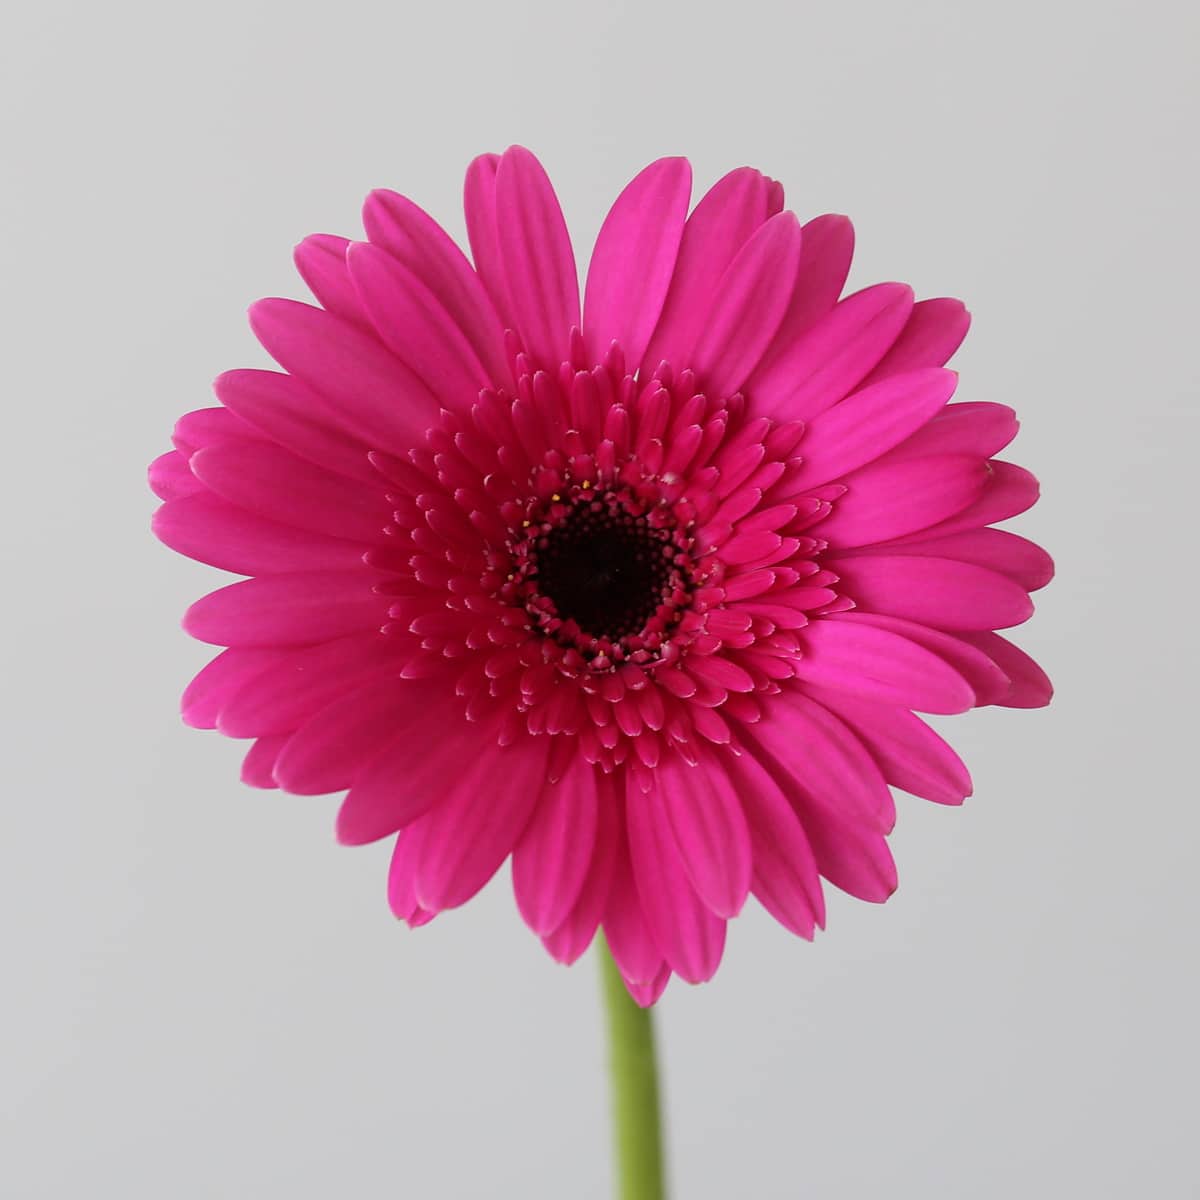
[{"x": 636, "y": 1123}]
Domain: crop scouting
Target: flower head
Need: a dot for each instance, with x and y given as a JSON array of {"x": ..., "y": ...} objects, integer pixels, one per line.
[{"x": 644, "y": 597}]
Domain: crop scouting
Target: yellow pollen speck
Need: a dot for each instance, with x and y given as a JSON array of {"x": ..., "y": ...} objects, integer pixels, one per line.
[
  {"x": 556, "y": 497},
  {"x": 524, "y": 524},
  {"x": 587, "y": 483}
]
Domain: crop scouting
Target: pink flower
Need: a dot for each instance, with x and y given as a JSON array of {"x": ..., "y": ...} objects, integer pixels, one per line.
[{"x": 645, "y": 597}]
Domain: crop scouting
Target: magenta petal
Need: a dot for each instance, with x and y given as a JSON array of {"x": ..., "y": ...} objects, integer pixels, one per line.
[
  {"x": 402, "y": 874},
  {"x": 304, "y": 681},
  {"x": 1008, "y": 492},
  {"x": 479, "y": 206},
  {"x": 975, "y": 427},
  {"x": 869, "y": 423},
  {"x": 852, "y": 857},
  {"x": 289, "y": 412},
  {"x": 831, "y": 359},
  {"x": 687, "y": 932},
  {"x": 786, "y": 880},
  {"x": 207, "y": 426},
  {"x": 379, "y": 397},
  {"x": 933, "y": 591},
  {"x": 414, "y": 238},
  {"x": 259, "y": 764},
  {"x": 552, "y": 858},
  {"x": 330, "y": 750},
  {"x": 826, "y": 249},
  {"x": 909, "y": 753},
  {"x": 934, "y": 330},
  {"x": 321, "y": 261},
  {"x": 287, "y": 610},
  {"x": 414, "y": 324},
  {"x": 474, "y": 829},
  {"x": 752, "y": 297},
  {"x": 626, "y": 928},
  {"x": 571, "y": 938},
  {"x": 274, "y": 483},
  {"x": 411, "y": 774},
  {"x": 539, "y": 263},
  {"x": 997, "y": 549},
  {"x": 932, "y": 490},
  {"x": 830, "y": 761},
  {"x": 646, "y": 994},
  {"x": 986, "y": 679},
  {"x": 710, "y": 831},
  {"x": 1031, "y": 687},
  {"x": 721, "y": 224},
  {"x": 206, "y": 696},
  {"x": 879, "y": 665},
  {"x": 634, "y": 259},
  {"x": 213, "y": 531},
  {"x": 171, "y": 478}
]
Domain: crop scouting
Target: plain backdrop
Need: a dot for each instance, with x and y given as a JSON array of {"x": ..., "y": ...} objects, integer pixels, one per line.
[{"x": 204, "y": 996}]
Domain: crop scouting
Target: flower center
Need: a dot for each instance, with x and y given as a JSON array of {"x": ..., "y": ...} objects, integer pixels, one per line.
[
  {"x": 605, "y": 569},
  {"x": 604, "y": 573}
]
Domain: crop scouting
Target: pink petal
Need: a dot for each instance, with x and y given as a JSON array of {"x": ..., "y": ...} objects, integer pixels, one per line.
[
  {"x": 975, "y": 427},
  {"x": 402, "y": 875},
  {"x": 986, "y": 679},
  {"x": 626, "y": 928},
  {"x": 289, "y": 412},
  {"x": 710, "y": 831},
  {"x": 879, "y": 665},
  {"x": 552, "y": 858},
  {"x": 413, "y": 772},
  {"x": 415, "y": 239},
  {"x": 288, "y": 610},
  {"x": 909, "y": 753},
  {"x": 302, "y": 682},
  {"x": 686, "y": 931},
  {"x": 869, "y": 423},
  {"x": 208, "y": 693},
  {"x": 720, "y": 225},
  {"x": 634, "y": 258},
  {"x": 273, "y": 483},
  {"x": 574, "y": 935},
  {"x": 171, "y": 478},
  {"x": 259, "y": 764},
  {"x": 786, "y": 880},
  {"x": 831, "y": 359},
  {"x": 321, "y": 261},
  {"x": 852, "y": 857},
  {"x": 479, "y": 205},
  {"x": 383, "y": 402},
  {"x": 933, "y": 591},
  {"x": 414, "y": 324},
  {"x": 935, "y": 329},
  {"x": 213, "y": 531},
  {"x": 888, "y": 500},
  {"x": 810, "y": 742},
  {"x": 997, "y": 549},
  {"x": 751, "y": 299},
  {"x": 204, "y": 426},
  {"x": 329, "y": 751},
  {"x": 1009, "y": 491},
  {"x": 826, "y": 249},
  {"x": 646, "y": 994},
  {"x": 471, "y": 832},
  {"x": 1031, "y": 687},
  {"x": 539, "y": 264}
]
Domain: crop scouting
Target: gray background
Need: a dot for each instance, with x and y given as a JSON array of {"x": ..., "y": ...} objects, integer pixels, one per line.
[{"x": 206, "y": 998}]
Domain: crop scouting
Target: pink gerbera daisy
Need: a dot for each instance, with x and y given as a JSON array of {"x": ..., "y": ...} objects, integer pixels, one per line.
[{"x": 644, "y": 597}]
